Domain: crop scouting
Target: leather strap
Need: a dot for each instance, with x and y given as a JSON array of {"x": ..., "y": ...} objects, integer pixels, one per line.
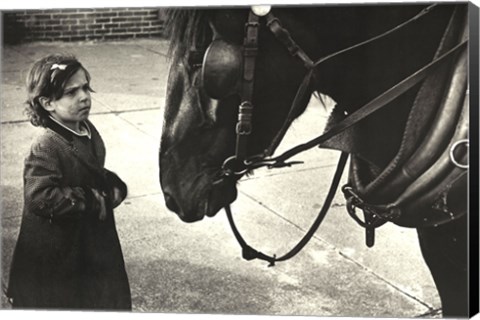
[
  {"x": 285, "y": 38},
  {"x": 233, "y": 166},
  {"x": 297, "y": 104},
  {"x": 294, "y": 49},
  {"x": 250, "y": 48},
  {"x": 371, "y": 107},
  {"x": 248, "y": 253}
]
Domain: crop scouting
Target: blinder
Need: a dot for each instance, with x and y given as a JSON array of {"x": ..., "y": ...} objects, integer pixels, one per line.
[{"x": 222, "y": 69}]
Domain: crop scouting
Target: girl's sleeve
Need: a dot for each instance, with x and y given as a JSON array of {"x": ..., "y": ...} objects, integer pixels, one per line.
[
  {"x": 114, "y": 181},
  {"x": 43, "y": 192}
]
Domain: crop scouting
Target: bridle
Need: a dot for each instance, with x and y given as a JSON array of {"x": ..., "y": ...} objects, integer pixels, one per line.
[{"x": 240, "y": 163}]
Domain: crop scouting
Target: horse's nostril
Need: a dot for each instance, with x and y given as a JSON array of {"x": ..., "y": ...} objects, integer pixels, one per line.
[{"x": 171, "y": 203}]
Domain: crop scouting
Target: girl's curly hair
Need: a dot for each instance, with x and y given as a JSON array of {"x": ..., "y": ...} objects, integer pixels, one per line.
[{"x": 47, "y": 78}]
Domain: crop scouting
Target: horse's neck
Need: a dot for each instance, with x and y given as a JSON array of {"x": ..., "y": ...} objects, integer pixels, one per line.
[
  {"x": 356, "y": 77},
  {"x": 359, "y": 76}
]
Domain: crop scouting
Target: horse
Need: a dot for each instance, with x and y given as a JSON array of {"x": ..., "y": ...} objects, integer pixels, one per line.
[{"x": 239, "y": 77}]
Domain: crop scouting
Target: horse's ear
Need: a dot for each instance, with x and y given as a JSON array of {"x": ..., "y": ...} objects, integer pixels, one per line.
[{"x": 221, "y": 69}]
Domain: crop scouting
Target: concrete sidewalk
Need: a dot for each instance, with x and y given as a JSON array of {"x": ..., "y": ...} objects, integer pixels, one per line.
[{"x": 197, "y": 268}]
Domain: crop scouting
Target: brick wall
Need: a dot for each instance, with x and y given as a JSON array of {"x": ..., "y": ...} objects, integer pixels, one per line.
[{"x": 81, "y": 24}]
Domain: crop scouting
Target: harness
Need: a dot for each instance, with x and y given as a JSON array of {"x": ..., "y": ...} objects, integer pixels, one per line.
[{"x": 223, "y": 61}]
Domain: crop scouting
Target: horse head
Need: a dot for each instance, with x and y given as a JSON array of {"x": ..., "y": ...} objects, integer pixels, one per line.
[
  {"x": 199, "y": 131},
  {"x": 204, "y": 88}
]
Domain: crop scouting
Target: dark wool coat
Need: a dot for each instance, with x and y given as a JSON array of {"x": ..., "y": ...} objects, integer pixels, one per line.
[{"x": 65, "y": 257}]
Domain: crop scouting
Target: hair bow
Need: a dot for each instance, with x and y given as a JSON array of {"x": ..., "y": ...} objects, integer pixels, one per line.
[{"x": 58, "y": 66}]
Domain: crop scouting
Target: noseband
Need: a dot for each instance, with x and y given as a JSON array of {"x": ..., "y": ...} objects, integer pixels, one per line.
[{"x": 223, "y": 62}]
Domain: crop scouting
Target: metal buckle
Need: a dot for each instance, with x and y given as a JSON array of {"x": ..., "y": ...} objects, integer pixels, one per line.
[
  {"x": 244, "y": 124},
  {"x": 233, "y": 167},
  {"x": 374, "y": 215},
  {"x": 452, "y": 155}
]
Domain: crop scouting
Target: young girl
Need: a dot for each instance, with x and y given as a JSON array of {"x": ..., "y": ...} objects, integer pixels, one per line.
[{"x": 68, "y": 254}]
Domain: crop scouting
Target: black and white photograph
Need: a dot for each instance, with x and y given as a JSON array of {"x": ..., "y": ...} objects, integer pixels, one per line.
[{"x": 226, "y": 159}]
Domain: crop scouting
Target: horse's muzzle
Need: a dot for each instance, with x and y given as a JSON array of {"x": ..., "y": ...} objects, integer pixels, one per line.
[{"x": 174, "y": 206}]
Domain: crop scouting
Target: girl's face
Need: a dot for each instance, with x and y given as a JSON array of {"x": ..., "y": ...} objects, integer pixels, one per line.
[{"x": 74, "y": 106}]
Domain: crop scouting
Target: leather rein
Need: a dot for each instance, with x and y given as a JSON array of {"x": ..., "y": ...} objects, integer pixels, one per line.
[{"x": 238, "y": 164}]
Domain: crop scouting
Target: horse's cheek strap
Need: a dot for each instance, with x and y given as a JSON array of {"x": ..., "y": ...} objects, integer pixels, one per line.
[
  {"x": 286, "y": 39},
  {"x": 244, "y": 124}
]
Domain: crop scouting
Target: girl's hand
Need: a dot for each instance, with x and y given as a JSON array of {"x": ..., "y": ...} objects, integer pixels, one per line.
[
  {"x": 117, "y": 197},
  {"x": 102, "y": 215}
]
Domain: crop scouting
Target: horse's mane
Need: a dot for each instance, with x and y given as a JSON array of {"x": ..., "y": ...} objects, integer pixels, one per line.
[{"x": 186, "y": 29}]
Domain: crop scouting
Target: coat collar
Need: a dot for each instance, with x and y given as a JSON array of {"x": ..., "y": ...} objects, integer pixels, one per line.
[
  {"x": 63, "y": 131},
  {"x": 91, "y": 160}
]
